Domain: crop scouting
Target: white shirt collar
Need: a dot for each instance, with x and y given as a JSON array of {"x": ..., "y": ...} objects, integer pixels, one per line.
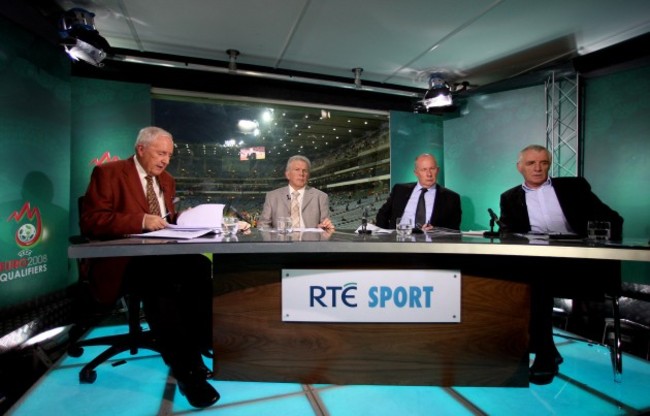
[
  {"x": 292, "y": 190},
  {"x": 139, "y": 168},
  {"x": 544, "y": 185}
]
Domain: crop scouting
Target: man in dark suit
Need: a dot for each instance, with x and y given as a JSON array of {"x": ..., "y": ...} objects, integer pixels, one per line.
[
  {"x": 135, "y": 195},
  {"x": 307, "y": 206},
  {"x": 440, "y": 206},
  {"x": 545, "y": 205}
]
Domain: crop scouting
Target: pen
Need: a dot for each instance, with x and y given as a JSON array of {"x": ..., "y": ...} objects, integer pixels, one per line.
[{"x": 166, "y": 215}]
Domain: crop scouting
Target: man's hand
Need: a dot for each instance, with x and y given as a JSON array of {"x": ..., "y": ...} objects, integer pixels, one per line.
[
  {"x": 325, "y": 235},
  {"x": 244, "y": 227},
  {"x": 154, "y": 222},
  {"x": 326, "y": 225}
]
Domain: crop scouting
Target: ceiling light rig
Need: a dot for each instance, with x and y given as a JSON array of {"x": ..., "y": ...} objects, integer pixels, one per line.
[
  {"x": 439, "y": 93},
  {"x": 81, "y": 39}
]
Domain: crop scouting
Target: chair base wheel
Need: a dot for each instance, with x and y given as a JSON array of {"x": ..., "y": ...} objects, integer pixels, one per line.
[
  {"x": 75, "y": 351},
  {"x": 87, "y": 377}
]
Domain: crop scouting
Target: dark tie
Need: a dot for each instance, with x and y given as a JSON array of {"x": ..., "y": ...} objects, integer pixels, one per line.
[
  {"x": 421, "y": 211},
  {"x": 152, "y": 199}
]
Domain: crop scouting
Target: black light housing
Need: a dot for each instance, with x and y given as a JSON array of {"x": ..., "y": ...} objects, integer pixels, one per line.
[
  {"x": 81, "y": 39},
  {"x": 439, "y": 93}
]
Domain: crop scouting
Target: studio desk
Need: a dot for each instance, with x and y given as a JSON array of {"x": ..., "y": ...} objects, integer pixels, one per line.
[{"x": 487, "y": 347}]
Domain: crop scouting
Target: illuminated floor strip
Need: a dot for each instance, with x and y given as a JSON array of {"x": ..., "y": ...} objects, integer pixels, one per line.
[{"x": 142, "y": 387}]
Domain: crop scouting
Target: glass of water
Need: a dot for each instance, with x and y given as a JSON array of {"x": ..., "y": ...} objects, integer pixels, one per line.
[
  {"x": 598, "y": 231},
  {"x": 284, "y": 225},
  {"x": 230, "y": 225},
  {"x": 404, "y": 227}
]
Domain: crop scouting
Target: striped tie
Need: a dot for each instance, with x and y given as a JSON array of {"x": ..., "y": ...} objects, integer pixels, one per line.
[
  {"x": 295, "y": 209},
  {"x": 152, "y": 199}
]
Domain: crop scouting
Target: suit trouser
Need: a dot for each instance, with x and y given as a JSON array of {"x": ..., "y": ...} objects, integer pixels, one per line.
[
  {"x": 176, "y": 294},
  {"x": 541, "y": 318}
]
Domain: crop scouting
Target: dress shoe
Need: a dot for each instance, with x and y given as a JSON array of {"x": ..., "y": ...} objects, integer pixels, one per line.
[
  {"x": 542, "y": 372},
  {"x": 207, "y": 353},
  {"x": 199, "y": 393},
  {"x": 204, "y": 371}
]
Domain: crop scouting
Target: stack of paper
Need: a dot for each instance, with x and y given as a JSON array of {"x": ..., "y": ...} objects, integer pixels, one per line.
[
  {"x": 192, "y": 223},
  {"x": 202, "y": 216}
]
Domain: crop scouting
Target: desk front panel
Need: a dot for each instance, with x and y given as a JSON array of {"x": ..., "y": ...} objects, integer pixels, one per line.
[{"x": 489, "y": 347}]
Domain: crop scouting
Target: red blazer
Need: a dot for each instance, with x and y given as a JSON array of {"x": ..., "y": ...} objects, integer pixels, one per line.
[{"x": 113, "y": 206}]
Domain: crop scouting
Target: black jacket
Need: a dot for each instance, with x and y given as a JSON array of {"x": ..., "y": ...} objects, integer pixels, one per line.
[
  {"x": 579, "y": 205},
  {"x": 446, "y": 208}
]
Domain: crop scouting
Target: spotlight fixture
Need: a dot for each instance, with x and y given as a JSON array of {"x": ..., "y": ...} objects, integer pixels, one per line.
[
  {"x": 80, "y": 38},
  {"x": 439, "y": 94},
  {"x": 357, "y": 77}
]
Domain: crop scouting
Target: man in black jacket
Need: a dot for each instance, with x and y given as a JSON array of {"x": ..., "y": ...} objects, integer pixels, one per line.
[
  {"x": 545, "y": 205},
  {"x": 440, "y": 207}
]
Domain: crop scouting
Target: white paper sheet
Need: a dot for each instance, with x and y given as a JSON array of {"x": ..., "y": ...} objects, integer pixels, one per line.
[
  {"x": 201, "y": 216},
  {"x": 176, "y": 234},
  {"x": 376, "y": 230}
]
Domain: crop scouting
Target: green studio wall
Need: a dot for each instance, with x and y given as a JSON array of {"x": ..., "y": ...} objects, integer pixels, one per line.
[
  {"x": 617, "y": 152},
  {"x": 411, "y": 135},
  {"x": 106, "y": 119},
  {"x": 482, "y": 145},
  {"x": 35, "y": 170}
]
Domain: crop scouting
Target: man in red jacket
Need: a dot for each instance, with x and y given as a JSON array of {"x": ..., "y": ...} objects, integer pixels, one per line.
[{"x": 133, "y": 196}]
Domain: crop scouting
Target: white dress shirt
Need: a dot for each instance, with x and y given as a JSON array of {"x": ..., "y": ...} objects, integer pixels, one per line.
[{"x": 544, "y": 211}]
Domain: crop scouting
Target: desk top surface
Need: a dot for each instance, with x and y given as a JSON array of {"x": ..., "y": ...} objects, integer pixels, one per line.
[{"x": 347, "y": 241}]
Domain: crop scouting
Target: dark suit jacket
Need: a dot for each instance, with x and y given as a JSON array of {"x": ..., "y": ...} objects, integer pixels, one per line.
[
  {"x": 446, "y": 208},
  {"x": 579, "y": 205},
  {"x": 113, "y": 206}
]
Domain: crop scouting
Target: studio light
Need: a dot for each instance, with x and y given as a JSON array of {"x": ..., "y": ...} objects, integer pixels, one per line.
[
  {"x": 81, "y": 39},
  {"x": 438, "y": 95}
]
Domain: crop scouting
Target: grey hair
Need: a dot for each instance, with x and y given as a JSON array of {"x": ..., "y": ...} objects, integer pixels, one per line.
[
  {"x": 295, "y": 158},
  {"x": 149, "y": 134},
  {"x": 536, "y": 148}
]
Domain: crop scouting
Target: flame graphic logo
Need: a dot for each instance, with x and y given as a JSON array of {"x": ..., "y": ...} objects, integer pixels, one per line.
[
  {"x": 28, "y": 233},
  {"x": 106, "y": 157}
]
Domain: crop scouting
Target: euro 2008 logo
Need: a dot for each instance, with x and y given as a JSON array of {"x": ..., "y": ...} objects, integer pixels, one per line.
[{"x": 28, "y": 233}]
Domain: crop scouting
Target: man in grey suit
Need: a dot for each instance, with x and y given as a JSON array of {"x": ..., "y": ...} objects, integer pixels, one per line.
[{"x": 309, "y": 206}]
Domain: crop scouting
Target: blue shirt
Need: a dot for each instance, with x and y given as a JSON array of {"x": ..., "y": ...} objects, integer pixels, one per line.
[{"x": 412, "y": 204}]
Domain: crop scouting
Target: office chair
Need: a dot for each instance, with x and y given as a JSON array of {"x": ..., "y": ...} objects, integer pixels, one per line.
[
  {"x": 634, "y": 321},
  {"x": 601, "y": 290},
  {"x": 135, "y": 339}
]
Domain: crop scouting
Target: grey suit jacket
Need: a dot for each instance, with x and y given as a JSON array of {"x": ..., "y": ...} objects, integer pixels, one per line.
[{"x": 315, "y": 207}]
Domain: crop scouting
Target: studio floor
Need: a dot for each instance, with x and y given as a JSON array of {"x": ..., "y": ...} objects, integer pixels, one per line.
[{"x": 141, "y": 386}]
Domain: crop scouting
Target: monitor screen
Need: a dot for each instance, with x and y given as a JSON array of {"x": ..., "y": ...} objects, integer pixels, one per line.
[{"x": 252, "y": 153}]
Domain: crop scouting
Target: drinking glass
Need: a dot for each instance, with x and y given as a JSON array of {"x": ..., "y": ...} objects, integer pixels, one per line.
[
  {"x": 598, "y": 230},
  {"x": 284, "y": 225},
  {"x": 404, "y": 227},
  {"x": 230, "y": 225}
]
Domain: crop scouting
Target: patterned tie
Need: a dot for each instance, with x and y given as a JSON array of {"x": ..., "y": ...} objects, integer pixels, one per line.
[
  {"x": 152, "y": 199},
  {"x": 295, "y": 209},
  {"x": 421, "y": 211}
]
